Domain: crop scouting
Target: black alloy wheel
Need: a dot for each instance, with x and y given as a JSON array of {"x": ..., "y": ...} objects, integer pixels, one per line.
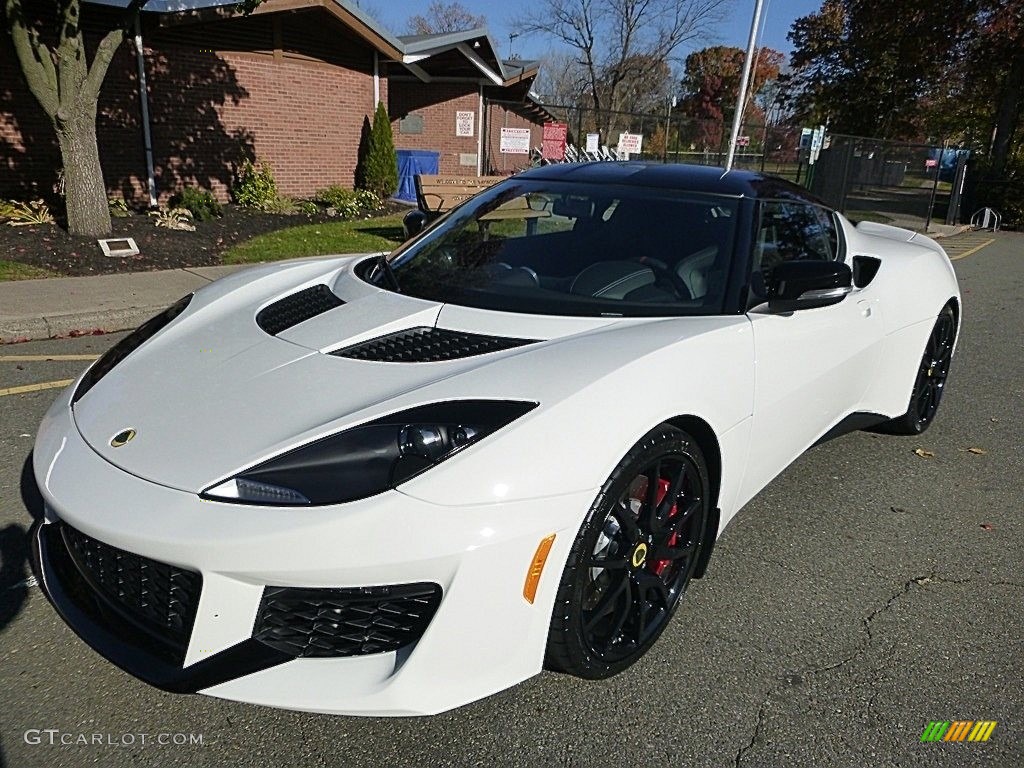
[
  {"x": 633, "y": 557},
  {"x": 930, "y": 383}
]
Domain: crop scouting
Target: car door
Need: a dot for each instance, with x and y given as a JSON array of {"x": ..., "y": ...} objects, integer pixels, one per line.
[{"x": 812, "y": 366}]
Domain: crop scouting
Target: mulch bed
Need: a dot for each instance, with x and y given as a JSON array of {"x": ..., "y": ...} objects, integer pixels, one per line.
[{"x": 51, "y": 247}]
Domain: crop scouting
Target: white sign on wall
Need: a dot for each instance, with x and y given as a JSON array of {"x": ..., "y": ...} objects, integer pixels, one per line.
[
  {"x": 515, "y": 141},
  {"x": 593, "y": 143},
  {"x": 464, "y": 123}
]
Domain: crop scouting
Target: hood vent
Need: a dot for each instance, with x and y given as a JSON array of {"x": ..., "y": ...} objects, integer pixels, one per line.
[
  {"x": 427, "y": 345},
  {"x": 294, "y": 309}
]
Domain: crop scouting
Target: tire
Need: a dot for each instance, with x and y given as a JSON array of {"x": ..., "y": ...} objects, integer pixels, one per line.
[
  {"x": 930, "y": 383},
  {"x": 616, "y": 594}
]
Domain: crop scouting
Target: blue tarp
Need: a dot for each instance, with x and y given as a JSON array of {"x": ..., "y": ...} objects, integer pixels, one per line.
[{"x": 411, "y": 162}]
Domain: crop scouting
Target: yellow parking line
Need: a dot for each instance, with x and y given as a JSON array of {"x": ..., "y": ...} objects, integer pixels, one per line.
[
  {"x": 35, "y": 387},
  {"x": 43, "y": 358},
  {"x": 975, "y": 249}
]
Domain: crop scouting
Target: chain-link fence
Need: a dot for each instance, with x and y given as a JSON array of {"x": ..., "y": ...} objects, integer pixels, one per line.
[{"x": 886, "y": 181}]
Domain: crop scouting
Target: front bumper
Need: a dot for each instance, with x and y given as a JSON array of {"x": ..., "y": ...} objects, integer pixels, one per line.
[{"x": 484, "y": 636}]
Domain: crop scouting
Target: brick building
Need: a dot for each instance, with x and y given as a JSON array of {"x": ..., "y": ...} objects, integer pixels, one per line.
[
  {"x": 294, "y": 84},
  {"x": 445, "y": 76}
]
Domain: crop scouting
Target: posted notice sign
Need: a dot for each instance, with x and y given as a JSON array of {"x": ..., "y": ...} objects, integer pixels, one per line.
[
  {"x": 515, "y": 141},
  {"x": 630, "y": 143},
  {"x": 593, "y": 143},
  {"x": 553, "y": 145},
  {"x": 464, "y": 123}
]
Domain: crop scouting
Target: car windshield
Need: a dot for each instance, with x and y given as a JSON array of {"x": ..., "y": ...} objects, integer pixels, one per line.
[{"x": 565, "y": 248}]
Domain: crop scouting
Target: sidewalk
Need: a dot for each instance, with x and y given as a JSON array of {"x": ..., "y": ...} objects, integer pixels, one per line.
[{"x": 43, "y": 309}]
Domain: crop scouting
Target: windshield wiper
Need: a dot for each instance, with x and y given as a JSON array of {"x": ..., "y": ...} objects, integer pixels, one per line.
[{"x": 382, "y": 259}]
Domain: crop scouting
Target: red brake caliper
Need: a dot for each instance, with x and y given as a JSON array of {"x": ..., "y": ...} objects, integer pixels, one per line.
[{"x": 659, "y": 566}]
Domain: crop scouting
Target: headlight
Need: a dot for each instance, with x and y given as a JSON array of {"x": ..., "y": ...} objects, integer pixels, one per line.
[
  {"x": 370, "y": 458},
  {"x": 127, "y": 345}
]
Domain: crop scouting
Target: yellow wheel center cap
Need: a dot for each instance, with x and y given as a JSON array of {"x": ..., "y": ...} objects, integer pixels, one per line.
[{"x": 639, "y": 555}]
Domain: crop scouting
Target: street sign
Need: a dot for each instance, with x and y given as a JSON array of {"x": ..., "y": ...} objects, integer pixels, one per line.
[
  {"x": 464, "y": 123},
  {"x": 742, "y": 141},
  {"x": 553, "y": 143},
  {"x": 515, "y": 141},
  {"x": 630, "y": 143}
]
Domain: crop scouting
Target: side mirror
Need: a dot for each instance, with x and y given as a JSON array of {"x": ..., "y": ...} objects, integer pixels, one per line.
[
  {"x": 413, "y": 223},
  {"x": 796, "y": 285}
]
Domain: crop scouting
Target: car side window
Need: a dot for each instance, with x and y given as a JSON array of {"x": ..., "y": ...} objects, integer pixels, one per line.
[{"x": 789, "y": 230}]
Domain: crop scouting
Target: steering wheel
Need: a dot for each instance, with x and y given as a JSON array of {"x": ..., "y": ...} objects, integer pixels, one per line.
[{"x": 663, "y": 274}]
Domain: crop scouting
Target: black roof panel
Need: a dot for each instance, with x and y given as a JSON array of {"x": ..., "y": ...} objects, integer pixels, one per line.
[{"x": 693, "y": 178}]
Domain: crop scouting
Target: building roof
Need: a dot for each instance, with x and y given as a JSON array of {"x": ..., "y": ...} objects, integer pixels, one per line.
[{"x": 474, "y": 45}]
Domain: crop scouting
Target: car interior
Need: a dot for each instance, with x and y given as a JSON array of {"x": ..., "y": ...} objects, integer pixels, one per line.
[{"x": 633, "y": 250}]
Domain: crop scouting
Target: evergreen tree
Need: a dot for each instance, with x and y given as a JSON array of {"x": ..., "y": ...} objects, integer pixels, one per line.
[{"x": 380, "y": 166}]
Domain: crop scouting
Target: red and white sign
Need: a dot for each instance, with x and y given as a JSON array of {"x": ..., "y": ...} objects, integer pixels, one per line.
[
  {"x": 630, "y": 143},
  {"x": 742, "y": 141},
  {"x": 931, "y": 162},
  {"x": 553, "y": 145},
  {"x": 515, "y": 141}
]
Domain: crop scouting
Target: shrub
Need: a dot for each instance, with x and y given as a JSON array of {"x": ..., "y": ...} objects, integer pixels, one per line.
[
  {"x": 380, "y": 166},
  {"x": 173, "y": 218},
  {"x": 282, "y": 204},
  {"x": 369, "y": 201},
  {"x": 347, "y": 202},
  {"x": 308, "y": 207},
  {"x": 23, "y": 214},
  {"x": 255, "y": 186},
  {"x": 199, "y": 202},
  {"x": 118, "y": 208}
]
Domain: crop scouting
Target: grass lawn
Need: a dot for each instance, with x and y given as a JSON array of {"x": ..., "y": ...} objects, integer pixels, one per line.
[
  {"x": 364, "y": 236},
  {"x": 13, "y": 270}
]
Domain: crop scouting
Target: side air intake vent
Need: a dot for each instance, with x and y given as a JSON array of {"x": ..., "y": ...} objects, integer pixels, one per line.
[
  {"x": 427, "y": 345},
  {"x": 292, "y": 310}
]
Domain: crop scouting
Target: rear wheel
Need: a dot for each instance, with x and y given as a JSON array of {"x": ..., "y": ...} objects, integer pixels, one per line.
[
  {"x": 633, "y": 557},
  {"x": 930, "y": 383}
]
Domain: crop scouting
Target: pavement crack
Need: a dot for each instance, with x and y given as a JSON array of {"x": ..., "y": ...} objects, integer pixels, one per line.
[{"x": 758, "y": 724}]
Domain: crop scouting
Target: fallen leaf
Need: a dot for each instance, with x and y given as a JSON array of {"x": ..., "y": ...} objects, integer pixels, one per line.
[
  {"x": 898, "y": 509},
  {"x": 986, "y": 527},
  {"x": 977, "y": 451},
  {"x": 924, "y": 453}
]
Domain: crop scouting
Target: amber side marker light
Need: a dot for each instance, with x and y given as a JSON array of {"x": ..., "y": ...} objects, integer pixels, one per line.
[{"x": 537, "y": 568}]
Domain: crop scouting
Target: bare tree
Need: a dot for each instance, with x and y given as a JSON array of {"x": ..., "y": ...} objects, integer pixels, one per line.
[
  {"x": 67, "y": 86},
  {"x": 445, "y": 17},
  {"x": 621, "y": 46}
]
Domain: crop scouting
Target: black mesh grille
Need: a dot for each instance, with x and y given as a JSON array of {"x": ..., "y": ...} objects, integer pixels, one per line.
[
  {"x": 292, "y": 310},
  {"x": 427, "y": 345},
  {"x": 158, "y": 598},
  {"x": 345, "y": 622}
]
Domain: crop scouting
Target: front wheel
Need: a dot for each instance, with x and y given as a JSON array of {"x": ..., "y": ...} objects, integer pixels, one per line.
[
  {"x": 633, "y": 557},
  {"x": 930, "y": 383}
]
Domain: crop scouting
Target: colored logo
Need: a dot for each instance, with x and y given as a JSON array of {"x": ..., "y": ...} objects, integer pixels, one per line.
[
  {"x": 639, "y": 554},
  {"x": 958, "y": 730}
]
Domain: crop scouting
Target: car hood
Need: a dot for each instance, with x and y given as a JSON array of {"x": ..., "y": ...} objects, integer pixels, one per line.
[{"x": 214, "y": 394}]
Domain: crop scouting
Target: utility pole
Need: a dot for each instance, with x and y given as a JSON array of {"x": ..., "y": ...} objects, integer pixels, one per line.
[{"x": 741, "y": 98}]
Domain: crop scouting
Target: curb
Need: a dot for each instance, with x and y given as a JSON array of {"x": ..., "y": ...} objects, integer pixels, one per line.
[{"x": 75, "y": 324}]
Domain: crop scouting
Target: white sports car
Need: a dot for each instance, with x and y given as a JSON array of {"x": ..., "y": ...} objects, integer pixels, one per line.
[{"x": 393, "y": 485}]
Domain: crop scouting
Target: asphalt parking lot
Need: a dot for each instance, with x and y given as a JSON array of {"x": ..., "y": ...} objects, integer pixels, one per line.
[{"x": 867, "y": 591}]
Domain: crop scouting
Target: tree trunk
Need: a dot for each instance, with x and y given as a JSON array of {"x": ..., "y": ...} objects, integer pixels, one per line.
[
  {"x": 88, "y": 211},
  {"x": 1007, "y": 115}
]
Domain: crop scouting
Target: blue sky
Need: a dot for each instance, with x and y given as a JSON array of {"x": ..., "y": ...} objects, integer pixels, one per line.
[{"x": 778, "y": 18}]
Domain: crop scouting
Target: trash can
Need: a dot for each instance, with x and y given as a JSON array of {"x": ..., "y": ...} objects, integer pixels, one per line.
[{"x": 411, "y": 162}]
